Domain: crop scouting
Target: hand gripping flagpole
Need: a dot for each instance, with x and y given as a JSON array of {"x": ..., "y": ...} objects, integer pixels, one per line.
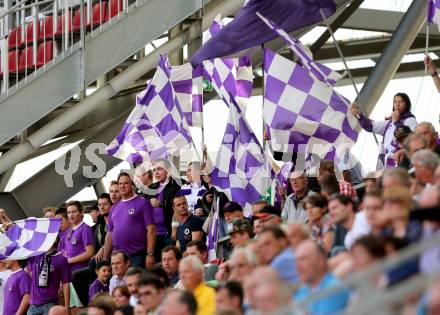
[{"x": 324, "y": 19}]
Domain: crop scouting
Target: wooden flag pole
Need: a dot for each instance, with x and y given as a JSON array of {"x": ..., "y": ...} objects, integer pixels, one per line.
[{"x": 324, "y": 18}]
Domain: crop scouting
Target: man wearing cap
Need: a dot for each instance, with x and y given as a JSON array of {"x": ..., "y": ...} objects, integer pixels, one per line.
[
  {"x": 400, "y": 134},
  {"x": 241, "y": 232},
  {"x": 232, "y": 210},
  {"x": 294, "y": 210},
  {"x": 269, "y": 215}
]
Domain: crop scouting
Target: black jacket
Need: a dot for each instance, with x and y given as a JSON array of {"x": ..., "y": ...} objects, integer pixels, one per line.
[{"x": 169, "y": 192}]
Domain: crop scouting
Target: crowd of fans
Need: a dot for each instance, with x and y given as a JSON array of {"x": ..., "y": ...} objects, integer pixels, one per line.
[{"x": 147, "y": 251}]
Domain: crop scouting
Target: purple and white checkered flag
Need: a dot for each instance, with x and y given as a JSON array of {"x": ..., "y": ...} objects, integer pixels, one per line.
[
  {"x": 434, "y": 12},
  {"x": 156, "y": 127},
  {"x": 230, "y": 77},
  {"x": 187, "y": 82},
  {"x": 29, "y": 237},
  {"x": 241, "y": 170},
  {"x": 212, "y": 237},
  {"x": 304, "y": 114},
  {"x": 318, "y": 70}
]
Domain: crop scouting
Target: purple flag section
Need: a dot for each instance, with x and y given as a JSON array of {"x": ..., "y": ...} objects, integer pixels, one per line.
[
  {"x": 230, "y": 77},
  {"x": 241, "y": 169},
  {"x": 29, "y": 237},
  {"x": 156, "y": 127},
  {"x": 433, "y": 15},
  {"x": 318, "y": 70},
  {"x": 247, "y": 30},
  {"x": 304, "y": 114}
]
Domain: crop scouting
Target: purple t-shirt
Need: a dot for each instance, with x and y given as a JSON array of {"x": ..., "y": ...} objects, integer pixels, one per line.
[
  {"x": 17, "y": 285},
  {"x": 62, "y": 235},
  {"x": 96, "y": 287},
  {"x": 59, "y": 272},
  {"x": 128, "y": 221},
  {"x": 75, "y": 243}
]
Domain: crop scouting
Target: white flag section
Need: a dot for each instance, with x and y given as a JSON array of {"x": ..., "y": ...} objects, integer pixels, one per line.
[{"x": 29, "y": 237}]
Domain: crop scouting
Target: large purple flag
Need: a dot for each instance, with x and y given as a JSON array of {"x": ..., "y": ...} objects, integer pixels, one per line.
[
  {"x": 29, "y": 237},
  {"x": 318, "y": 70},
  {"x": 304, "y": 114},
  {"x": 241, "y": 169},
  {"x": 156, "y": 127},
  {"x": 247, "y": 30},
  {"x": 230, "y": 77},
  {"x": 434, "y": 12}
]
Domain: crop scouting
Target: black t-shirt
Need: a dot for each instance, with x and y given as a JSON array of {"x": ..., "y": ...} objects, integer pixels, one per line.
[{"x": 184, "y": 236}]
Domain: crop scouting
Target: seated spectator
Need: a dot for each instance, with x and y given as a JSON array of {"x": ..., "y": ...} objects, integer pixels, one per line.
[
  {"x": 230, "y": 296},
  {"x": 232, "y": 210},
  {"x": 151, "y": 293},
  {"x": 270, "y": 215},
  {"x": 314, "y": 276},
  {"x": 17, "y": 290},
  {"x": 241, "y": 232},
  {"x": 397, "y": 204},
  {"x": 199, "y": 249},
  {"x": 329, "y": 186},
  {"x": 277, "y": 254},
  {"x": 373, "y": 207},
  {"x": 425, "y": 162},
  {"x": 50, "y": 274},
  {"x": 241, "y": 264},
  {"x": 121, "y": 296},
  {"x": 343, "y": 211},
  {"x": 258, "y": 205},
  {"x": 413, "y": 143},
  {"x": 190, "y": 228},
  {"x": 296, "y": 233},
  {"x": 101, "y": 284},
  {"x": 171, "y": 257},
  {"x": 158, "y": 271},
  {"x": 100, "y": 307},
  {"x": 294, "y": 207},
  {"x": 366, "y": 251},
  {"x": 321, "y": 229},
  {"x": 272, "y": 295},
  {"x": 393, "y": 177},
  {"x": 120, "y": 262},
  {"x": 135, "y": 212},
  {"x": 179, "y": 303},
  {"x": 427, "y": 131},
  {"x": 191, "y": 275},
  {"x": 133, "y": 276}
]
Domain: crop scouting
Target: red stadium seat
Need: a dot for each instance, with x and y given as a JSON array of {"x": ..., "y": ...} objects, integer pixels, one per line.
[
  {"x": 13, "y": 58},
  {"x": 44, "y": 53},
  {"x": 76, "y": 27},
  {"x": 26, "y": 60},
  {"x": 114, "y": 8},
  {"x": 61, "y": 21},
  {"x": 30, "y": 33},
  {"x": 99, "y": 14},
  {"x": 15, "y": 39},
  {"x": 46, "y": 29}
]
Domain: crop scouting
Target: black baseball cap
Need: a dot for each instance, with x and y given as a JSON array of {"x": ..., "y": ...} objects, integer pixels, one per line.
[{"x": 232, "y": 206}]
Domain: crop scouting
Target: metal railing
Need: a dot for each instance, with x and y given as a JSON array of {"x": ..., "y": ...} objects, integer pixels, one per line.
[
  {"x": 32, "y": 35},
  {"x": 380, "y": 301}
]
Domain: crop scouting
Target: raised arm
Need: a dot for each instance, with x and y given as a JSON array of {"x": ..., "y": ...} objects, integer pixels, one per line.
[{"x": 433, "y": 71}]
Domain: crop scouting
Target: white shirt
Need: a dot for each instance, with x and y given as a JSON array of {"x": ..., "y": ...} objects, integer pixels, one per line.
[
  {"x": 4, "y": 275},
  {"x": 115, "y": 282},
  {"x": 133, "y": 300},
  {"x": 360, "y": 228}
]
